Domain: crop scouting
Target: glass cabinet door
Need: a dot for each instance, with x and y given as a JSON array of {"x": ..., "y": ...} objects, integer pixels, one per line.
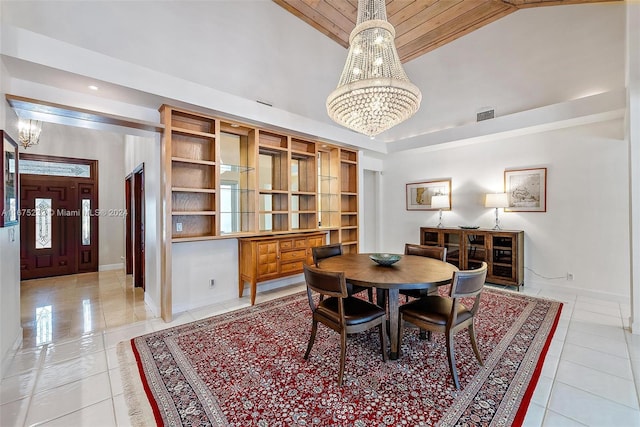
[
  {"x": 237, "y": 177},
  {"x": 452, "y": 241},
  {"x": 502, "y": 252},
  {"x": 476, "y": 250}
]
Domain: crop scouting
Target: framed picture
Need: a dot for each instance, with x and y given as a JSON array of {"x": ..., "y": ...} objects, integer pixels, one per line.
[
  {"x": 420, "y": 195},
  {"x": 9, "y": 195},
  {"x": 526, "y": 189}
]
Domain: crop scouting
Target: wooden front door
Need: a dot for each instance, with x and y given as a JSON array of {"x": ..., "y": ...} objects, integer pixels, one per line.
[
  {"x": 48, "y": 231},
  {"x": 138, "y": 227}
]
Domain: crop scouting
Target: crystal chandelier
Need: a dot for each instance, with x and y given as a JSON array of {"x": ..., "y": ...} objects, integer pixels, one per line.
[
  {"x": 29, "y": 132},
  {"x": 374, "y": 93}
]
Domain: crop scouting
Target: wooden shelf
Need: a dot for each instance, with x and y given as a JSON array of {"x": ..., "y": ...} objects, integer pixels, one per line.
[
  {"x": 193, "y": 161},
  {"x": 193, "y": 190},
  {"x": 189, "y": 132},
  {"x": 264, "y": 191},
  {"x": 193, "y": 213}
]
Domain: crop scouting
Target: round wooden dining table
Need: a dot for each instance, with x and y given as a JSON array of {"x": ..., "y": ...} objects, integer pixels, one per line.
[{"x": 411, "y": 272}]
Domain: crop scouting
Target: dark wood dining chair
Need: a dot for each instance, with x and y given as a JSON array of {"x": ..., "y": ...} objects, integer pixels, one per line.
[
  {"x": 447, "y": 314},
  {"x": 341, "y": 312},
  {"x": 436, "y": 252},
  {"x": 327, "y": 251}
]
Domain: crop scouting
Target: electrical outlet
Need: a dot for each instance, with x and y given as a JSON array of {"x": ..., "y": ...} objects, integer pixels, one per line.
[
  {"x": 569, "y": 276},
  {"x": 211, "y": 283},
  {"x": 178, "y": 226}
]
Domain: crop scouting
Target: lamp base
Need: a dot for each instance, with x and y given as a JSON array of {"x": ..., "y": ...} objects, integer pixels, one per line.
[
  {"x": 440, "y": 224},
  {"x": 497, "y": 226}
]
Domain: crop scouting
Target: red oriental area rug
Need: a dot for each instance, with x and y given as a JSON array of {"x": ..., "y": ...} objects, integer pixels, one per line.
[{"x": 245, "y": 368}]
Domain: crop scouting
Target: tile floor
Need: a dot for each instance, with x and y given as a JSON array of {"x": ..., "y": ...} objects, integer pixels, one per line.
[
  {"x": 70, "y": 377},
  {"x": 58, "y": 308}
]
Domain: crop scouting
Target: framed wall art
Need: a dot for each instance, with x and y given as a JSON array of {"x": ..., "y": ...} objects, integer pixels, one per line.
[
  {"x": 420, "y": 194},
  {"x": 9, "y": 189},
  {"x": 526, "y": 189}
]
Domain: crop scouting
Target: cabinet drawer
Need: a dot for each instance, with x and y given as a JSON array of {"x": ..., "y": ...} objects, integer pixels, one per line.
[
  {"x": 288, "y": 267},
  {"x": 300, "y": 243},
  {"x": 286, "y": 244},
  {"x": 299, "y": 254}
]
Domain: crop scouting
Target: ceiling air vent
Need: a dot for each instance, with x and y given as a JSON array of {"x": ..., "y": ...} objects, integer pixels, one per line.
[{"x": 485, "y": 115}]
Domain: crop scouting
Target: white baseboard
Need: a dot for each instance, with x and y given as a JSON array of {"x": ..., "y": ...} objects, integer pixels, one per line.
[
  {"x": 108, "y": 267},
  {"x": 154, "y": 309},
  {"x": 609, "y": 296}
]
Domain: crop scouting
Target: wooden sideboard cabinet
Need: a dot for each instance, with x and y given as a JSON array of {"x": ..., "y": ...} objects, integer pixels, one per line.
[
  {"x": 271, "y": 257},
  {"x": 502, "y": 250}
]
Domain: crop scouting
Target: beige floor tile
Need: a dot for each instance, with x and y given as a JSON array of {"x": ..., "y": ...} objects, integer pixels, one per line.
[
  {"x": 14, "y": 413},
  {"x": 54, "y": 403},
  {"x": 79, "y": 305},
  {"x": 99, "y": 414},
  {"x": 589, "y": 409}
]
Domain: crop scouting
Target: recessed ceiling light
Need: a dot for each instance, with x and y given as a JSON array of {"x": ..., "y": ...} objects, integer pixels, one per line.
[{"x": 93, "y": 87}]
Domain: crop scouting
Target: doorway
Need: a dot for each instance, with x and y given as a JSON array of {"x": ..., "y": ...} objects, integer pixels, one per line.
[
  {"x": 59, "y": 225},
  {"x": 135, "y": 226}
]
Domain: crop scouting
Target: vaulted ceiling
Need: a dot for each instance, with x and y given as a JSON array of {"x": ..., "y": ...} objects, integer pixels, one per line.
[
  {"x": 222, "y": 56},
  {"x": 421, "y": 25}
]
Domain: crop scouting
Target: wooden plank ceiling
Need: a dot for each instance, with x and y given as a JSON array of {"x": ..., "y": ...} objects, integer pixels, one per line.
[{"x": 421, "y": 25}]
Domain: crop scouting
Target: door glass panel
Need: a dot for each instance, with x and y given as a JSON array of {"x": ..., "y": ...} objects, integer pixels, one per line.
[
  {"x": 43, "y": 223},
  {"x": 40, "y": 167},
  {"x": 86, "y": 222}
]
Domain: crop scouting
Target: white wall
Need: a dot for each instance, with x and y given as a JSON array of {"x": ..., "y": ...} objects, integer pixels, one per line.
[
  {"x": 10, "y": 327},
  {"x": 108, "y": 149},
  {"x": 369, "y": 216},
  {"x": 146, "y": 150},
  {"x": 586, "y": 227},
  {"x": 195, "y": 263},
  {"x": 633, "y": 136}
]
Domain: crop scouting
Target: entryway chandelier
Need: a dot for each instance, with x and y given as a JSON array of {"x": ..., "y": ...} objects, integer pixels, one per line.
[
  {"x": 29, "y": 132},
  {"x": 374, "y": 93}
]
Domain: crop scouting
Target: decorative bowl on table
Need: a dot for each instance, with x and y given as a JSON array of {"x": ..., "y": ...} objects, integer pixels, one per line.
[{"x": 385, "y": 259}]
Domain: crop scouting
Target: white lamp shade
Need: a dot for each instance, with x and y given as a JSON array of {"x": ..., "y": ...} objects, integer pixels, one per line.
[
  {"x": 497, "y": 200},
  {"x": 440, "y": 202}
]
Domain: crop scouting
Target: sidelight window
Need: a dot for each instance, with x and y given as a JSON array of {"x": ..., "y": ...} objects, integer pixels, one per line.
[
  {"x": 86, "y": 222},
  {"x": 43, "y": 213}
]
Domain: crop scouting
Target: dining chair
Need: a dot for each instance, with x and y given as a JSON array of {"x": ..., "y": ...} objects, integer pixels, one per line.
[
  {"x": 327, "y": 251},
  {"x": 447, "y": 314},
  {"x": 436, "y": 252},
  {"x": 339, "y": 311}
]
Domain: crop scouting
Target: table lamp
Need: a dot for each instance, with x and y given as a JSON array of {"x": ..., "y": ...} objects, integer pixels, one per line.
[
  {"x": 497, "y": 200},
  {"x": 440, "y": 202}
]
